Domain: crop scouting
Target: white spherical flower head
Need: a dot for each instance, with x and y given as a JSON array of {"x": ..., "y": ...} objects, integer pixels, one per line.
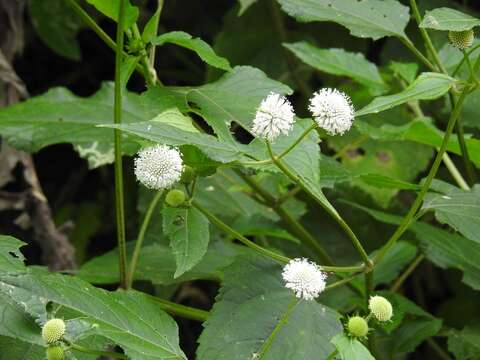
[
  {"x": 158, "y": 167},
  {"x": 274, "y": 117},
  {"x": 332, "y": 110},
  {"x": 305, "y": 278},
  {"x": 380, "y": 308}
]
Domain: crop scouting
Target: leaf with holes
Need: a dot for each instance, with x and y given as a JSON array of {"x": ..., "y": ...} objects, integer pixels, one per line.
[
  {"x": 449, "y": 20},
  {"x": 283, "y": 327}
]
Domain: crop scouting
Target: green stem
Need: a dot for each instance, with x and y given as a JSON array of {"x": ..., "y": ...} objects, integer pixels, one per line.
[
  {"x": 286, "y": 151},
  {"x": 438, "y": 349},
  {"x": 332, "y": 355},
  {"x": 293, "y": 225},
  {"x": 408, "y": 43},
  {"x": 454, "y": 172},
  {"x": 151, "y": 74},
  {"x": 468, "y": 53},
  {"x": 221, "y": 225},
  {"x": 98, "y": 352},
  {"x": 273, "y": 255},
  {"x": 296, "y": 179},
  {"x": 82, "y": 14},
  {"x": 471, "y": 175},
  {"x": 401, "y": 279},
  {"x": 186, "y": 312},
  {"x": 426, "y": 37},
  {"x": 119, "y": 198},
  {"x": 141, "y": 236},
  {"x": 151, "y": 55},
  {"x": 344, "y": 281},
  {"x": 426, "y": 185}
]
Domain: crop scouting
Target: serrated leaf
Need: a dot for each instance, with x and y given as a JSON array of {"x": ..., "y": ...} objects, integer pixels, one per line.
[
  {"x": 57, "y": 25},
  {"x": 189, "y": 235},
  {"x": 458, "y": 208},
  {"x": 443, "y": 248},
  {"x": 366, "y": 19},
  {"x": 110, "y": 9},
  {"x": 351, "y": 349},
  {"x": 427, "y": 86},
  {"x": 130, "y": 320},
  {"x": 421, "y": 131},
  {"x": 341, "y": 63},
  {"x": 283, "y": 327},
  {"x": 58, "y": 116},
  {"x": 448, "y": 19},
  {"x": 235, "y": 97},
  {"x": 197, "y": 45}
]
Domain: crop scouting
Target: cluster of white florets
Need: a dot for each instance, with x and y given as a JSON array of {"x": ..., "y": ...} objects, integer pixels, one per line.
[
  {"x": 305, "y": 278},
  {"x": 332, "y": 111},
  {"x": 158, "y": 167}
]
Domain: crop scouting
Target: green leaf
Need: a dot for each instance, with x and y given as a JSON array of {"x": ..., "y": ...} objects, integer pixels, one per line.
[
  {"x": 443, "y": 248},
  {"x": 110, "y": 9},
  {"x": 157, "y": 264},
  {"x": 256, "y": 317},
  {"x": 20, "y": 350},
  {"x": 399, "y": 256},
  {"x": 131, "y": 320},
  {"x": 234, "y": 98},
  {"x": 58, "y": 116},
  {"x": 449, "y": 20},
  {"x": 386, "y": 182},
  {"x": 341, "y": 63},
  {"x": 189, "y": 236},
  {"x": 202, "y": 49},
  {"x": 407, "y": 71},
  {"x": 11, "y": 259},
  {"x": 458, "y": 208},
  {"x": 427, "y": 86},
  {"x": 366, "y": 19},
  {"x": 421, "y": 131},
  {"x": 244, "y": 5},
  {"x": 351, "y": 349},
  {"x": 163, "y": 133},
  {"x": 151, "y": 27},
  {"x": 57, "y": 25},
  {"x": 465, "y": 344}
]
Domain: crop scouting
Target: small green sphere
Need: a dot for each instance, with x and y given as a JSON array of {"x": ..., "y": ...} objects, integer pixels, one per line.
[
  {"x": 461, "y": 39},
  {"x": 357, "y": 326},
  {"x": 53, "y": 330},
  {"x": 188, "y": 175},
  {"x": 380, "y": 308},
  {"x": 55, "y": 353},
  {"x": 175, "y": 198}
]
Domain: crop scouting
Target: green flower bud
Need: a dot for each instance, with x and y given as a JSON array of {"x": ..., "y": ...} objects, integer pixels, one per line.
[
  {"x": 357, "y": 326},
  {"x": 380, "y": 308},
  {"x": 135, "y": 46},
  {"x": 55, "y": 353},
  {"x": 461, "y": 39},
  {"x": 175, "y": 198},
  {"x": 53, "y": 330},
  {"x": 188, "y": 175}
]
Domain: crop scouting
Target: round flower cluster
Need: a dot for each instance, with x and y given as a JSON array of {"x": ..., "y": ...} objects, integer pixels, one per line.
[
  {"x": 305, "y": 278},
  {"x": 380, "y": 308},
  {"x": 158, "y": 167},
  {"x": 274, "y": 117},
  {"x": 461, "y": 39},
  {"x": 332, "y": 111},
  {"x": 53, "y": 330}
]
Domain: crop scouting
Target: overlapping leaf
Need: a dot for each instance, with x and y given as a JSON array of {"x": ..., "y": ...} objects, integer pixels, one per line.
[
  {"x": 448, "y": 19},
  {"x": 256, "y": 317},
  {"x": 367, "y": 18}
]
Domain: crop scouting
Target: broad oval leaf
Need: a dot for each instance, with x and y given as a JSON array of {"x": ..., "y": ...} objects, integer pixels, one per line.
[
  {"x": 458, "y": 208},
  {"x": 448, "y": 19},
  {"x": 189, "y": 235},
  {"x": 202, "y": 49},
  {"x": 256, "y": 317},
  {"x": 366, "y": 19},
  {"x": 340, "y": 62},
  {"x": 427, "y": 86},
  {"x": 110, "y": 9},
  {"x": 351, "y": 349}
]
